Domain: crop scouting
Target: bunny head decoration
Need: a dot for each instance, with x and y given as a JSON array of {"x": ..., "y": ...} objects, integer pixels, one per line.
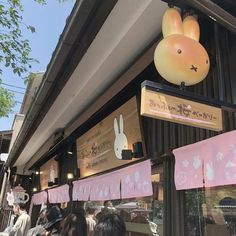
[
  {"x": 121, "y": 141},
  {"x": 179, "y": 57}
]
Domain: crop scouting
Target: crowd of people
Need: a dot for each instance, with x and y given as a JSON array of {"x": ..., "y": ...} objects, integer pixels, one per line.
[{"x": 79, "y": 222}]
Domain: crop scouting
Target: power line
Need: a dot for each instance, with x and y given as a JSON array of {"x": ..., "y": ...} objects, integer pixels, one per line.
[
  {"x": 13, "y": 86},
  {"x": 15, "y": 91}
]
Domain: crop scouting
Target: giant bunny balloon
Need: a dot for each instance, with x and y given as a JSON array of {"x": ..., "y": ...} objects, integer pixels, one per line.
[{"x": 179, "y": 57}]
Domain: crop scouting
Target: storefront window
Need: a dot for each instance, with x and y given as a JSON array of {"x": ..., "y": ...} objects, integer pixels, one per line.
[
  {"x": 142, "y": 216},
  {"x": 211, "y": 211}
]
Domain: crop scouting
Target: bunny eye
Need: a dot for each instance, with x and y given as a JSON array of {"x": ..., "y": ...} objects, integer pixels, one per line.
[
  {"x": 179, "y": 51},
  {"x": 206, "y": 61}
]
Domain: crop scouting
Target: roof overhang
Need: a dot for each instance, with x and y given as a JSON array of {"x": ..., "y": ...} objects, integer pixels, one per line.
[
  {"x": 125, "y": 34},
  {"x": 128, "y": 29}
]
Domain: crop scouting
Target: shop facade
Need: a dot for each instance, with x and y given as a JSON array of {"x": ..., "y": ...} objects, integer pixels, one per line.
[{"x": 111, "y": 152}]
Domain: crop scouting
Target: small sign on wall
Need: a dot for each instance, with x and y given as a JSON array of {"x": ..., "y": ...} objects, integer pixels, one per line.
[{"x": 165, "y": 107}]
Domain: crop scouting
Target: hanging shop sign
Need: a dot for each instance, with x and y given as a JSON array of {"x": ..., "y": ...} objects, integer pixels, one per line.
[
  {"x": 48, "y": 174},
  {"x": 161, "y": 106},
  {"x": 175, "y": 55},
  {"x": 208, "y": 163},
  {"x": 101, "y": 147},
  {"x": 17, "y": 195},
  {"x": 129, "y": 182}
]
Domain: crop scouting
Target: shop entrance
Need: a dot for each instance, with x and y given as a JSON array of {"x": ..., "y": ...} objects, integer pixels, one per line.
[
  {"x": 211, "y": 211},
  {"x": 142, "y": 216}
]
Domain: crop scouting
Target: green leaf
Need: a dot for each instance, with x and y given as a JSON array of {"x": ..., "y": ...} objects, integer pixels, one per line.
[{"x": 7, "y": 102}]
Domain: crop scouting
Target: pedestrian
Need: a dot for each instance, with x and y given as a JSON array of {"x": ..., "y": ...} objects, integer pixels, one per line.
[
  {"x": 110, "y": 225},
  {"x": 39, "y": 228},
  {"x": 54, "y": 218},
  {"x": 74, "y": 225},
  {"x": 23, "y": 223},
  {"x": 90, "y": 218}
]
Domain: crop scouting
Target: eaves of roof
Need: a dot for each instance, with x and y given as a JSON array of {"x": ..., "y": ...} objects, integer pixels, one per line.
[{"x": 84, "y": 22}]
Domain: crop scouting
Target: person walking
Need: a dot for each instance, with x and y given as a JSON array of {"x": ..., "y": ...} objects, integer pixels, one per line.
[{"x": 23, "y": 223}]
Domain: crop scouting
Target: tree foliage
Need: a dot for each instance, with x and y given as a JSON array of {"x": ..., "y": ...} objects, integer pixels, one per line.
[
  {"x": 7, "y": 102},
  {"x": 14, "y": 48}
]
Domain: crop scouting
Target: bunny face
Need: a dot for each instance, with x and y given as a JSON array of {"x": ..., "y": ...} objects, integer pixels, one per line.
[
  {"x": 210, "y": 173},
  {"x": 179, "y": 57},
  {"x": 121, "y": 141}
]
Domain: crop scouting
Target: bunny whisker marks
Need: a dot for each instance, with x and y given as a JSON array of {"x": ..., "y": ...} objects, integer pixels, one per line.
[{"x": 193, "y": 68}]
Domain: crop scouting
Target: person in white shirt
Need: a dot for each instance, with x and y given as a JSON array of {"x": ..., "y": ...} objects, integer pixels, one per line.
[
  {"x": 23, "y": 222},
  {"x": 90, "y": 218}
]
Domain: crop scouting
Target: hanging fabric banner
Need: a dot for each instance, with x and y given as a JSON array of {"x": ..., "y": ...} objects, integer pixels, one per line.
[
  {"x": 136, "y": 181},
  {"x": 81, "y": 190},
  {"x": 38, "y": 199},
  {"x": 59, "y": 194},
  {"x": 209, "y": 163},
  {"x": 132, "y": 181}
]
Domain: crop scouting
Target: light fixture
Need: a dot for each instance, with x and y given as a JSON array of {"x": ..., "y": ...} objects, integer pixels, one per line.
[
  {"x": 70, "y": 176},
  {"x": 70, "y": 149},
  {"x": 137, "y": 152},
  {"x": 34, "y": 189},
  {"x": 37, "y": 173}
]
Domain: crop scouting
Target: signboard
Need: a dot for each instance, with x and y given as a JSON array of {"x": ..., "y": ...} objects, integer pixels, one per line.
[
  {"x": 48, "y": 173},
  {"x": 100, "y": 148},
  {"x": 179, "y": 110}
]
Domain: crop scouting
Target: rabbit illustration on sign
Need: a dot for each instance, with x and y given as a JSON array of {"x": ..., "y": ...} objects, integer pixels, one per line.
[
  {"x": 210, "y": 173},
  {"x": 179, "y": 57},
  {"x": 121, "y": 141}
]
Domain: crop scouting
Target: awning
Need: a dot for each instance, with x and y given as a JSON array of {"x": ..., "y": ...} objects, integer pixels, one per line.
[
  {"x": 208, "y": 163},
  {"x": 128, "y": 182},
  {"x": 59, "y": 194}
]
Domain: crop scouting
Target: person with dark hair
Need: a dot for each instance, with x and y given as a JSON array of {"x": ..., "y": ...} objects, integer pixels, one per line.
[
  {"x": 110, "y": 225},
  {"x": 74, "y": 225},
  {"x": 54, "y": 218},
  {"x": 41, "y": 221},
  {"x": 106, "y": 209},
  {"x": 22, "y": 224}
]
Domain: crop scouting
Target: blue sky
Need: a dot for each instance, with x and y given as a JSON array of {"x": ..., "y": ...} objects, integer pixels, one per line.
[{"x": 49, "y": 21}]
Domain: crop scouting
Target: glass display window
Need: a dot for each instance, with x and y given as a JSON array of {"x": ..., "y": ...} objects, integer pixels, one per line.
[
  {"x": 142, "y": 216},
  {"x": 211, "y": 211}
]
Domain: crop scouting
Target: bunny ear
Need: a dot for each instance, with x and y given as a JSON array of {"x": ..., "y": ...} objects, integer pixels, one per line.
[
  {"x": 116, "y": 129},
  {"x": 172, "y": 23},
  {"x": 191, "y": 28},
  {"x": 121, "y": 124}
]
